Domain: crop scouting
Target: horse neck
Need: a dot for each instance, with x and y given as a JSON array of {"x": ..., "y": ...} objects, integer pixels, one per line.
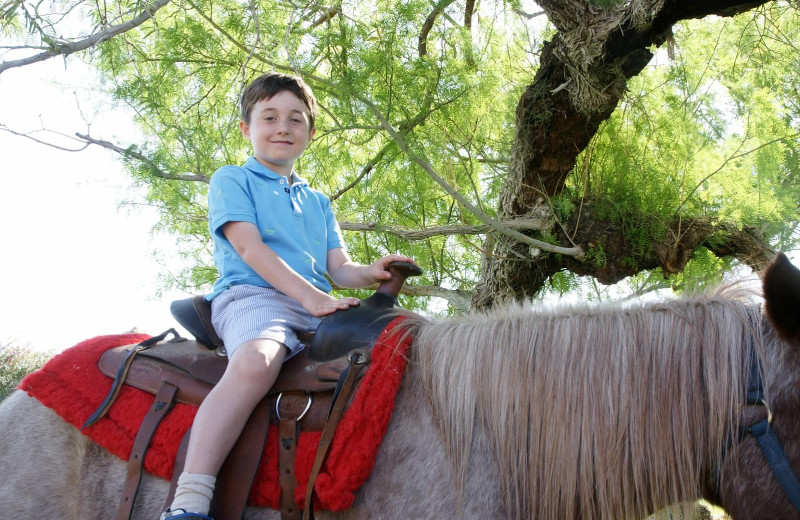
[{"x": 611, "y": 412}]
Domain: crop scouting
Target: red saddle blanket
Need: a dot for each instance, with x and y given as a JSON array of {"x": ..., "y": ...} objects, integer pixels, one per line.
[{"x": 73, "y": 386}]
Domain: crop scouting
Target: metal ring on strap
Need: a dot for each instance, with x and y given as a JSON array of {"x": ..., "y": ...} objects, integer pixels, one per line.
[
  {"x": 769, "y": 411},
  {"x": 300, "y": 417},
  {"x": 358, "y": 357}
]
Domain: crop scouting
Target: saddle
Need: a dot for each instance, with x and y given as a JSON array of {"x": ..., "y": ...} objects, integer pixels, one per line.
[{"x": 310, "y": 393}]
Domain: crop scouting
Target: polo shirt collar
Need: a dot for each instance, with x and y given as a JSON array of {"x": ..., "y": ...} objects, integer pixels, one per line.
[{"x": 256, "y": 167}]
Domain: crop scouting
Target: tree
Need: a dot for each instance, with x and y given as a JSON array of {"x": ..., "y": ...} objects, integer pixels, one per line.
[
  {"x": 505, "y": 150},
  {"x": 583, "y": 73},
  {"x": 17, "y": 361}
]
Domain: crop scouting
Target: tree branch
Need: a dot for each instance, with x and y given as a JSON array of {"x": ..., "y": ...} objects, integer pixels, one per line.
[
  {"x": 583, "y": 72},
  {"x": 422, "y": 46},
  {"x": 237, "y": 43},
  {"x": 405, "y": 129},
  {"x": 731, "y": 158},
  {"x": 65, "y": 48},
  {"x": 529, "y": 16},
  {"x": 458, "y": 299},
  {"x": 326, "y": 16},
  {"x": 617, "y": 257},
  {"x": 458, "y": 229},
  {"x": 364, "y": 171},
  {"x": 7, "y": 8},
  {"x": 576, "y": 252},
  {"x": 612, "y": 256},
  {"x": 154, "y": 168},
  {"x": 469, "y": 9},
  {"x": 45, "y": 143}
]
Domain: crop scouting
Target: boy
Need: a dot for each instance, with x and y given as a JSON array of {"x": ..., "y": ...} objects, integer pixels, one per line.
[{"x": 274, "y": 240}]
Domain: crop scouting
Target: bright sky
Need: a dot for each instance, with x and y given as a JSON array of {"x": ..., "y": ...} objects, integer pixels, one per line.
[{"x": 74, "y": 264}]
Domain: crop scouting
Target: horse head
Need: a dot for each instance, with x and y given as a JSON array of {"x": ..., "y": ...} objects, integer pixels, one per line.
[
  {"x": 759, "y": 469},
  {"x": 782, "y": 299}
]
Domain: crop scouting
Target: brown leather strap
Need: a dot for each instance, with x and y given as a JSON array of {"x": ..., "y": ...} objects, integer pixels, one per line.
[
  {"x": 287, "y": 450},
  {"x": 203, "y": 309},
  {"x": 180, "y": 461},
  {"x": 163, "y": 402},
  {"x": 116, "y": 386},
  {"x": 239, "y": 470},
  {"x": 122, "y": 372},
  {"x": 337, "y": 408}
]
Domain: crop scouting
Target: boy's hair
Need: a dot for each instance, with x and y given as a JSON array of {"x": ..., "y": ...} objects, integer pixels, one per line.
[{"x": 267, "y": 85}]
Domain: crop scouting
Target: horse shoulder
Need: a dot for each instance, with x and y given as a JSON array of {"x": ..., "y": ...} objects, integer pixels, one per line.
[
  {"x": 413, "y": 462},
  {"x": 42, "y": 458}
]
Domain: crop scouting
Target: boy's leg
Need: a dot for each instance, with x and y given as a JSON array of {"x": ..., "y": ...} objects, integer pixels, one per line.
[{"x": 251, "y": 372}]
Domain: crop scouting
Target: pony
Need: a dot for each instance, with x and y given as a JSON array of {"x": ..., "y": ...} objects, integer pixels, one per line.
[{"x": 614, "y": 411}]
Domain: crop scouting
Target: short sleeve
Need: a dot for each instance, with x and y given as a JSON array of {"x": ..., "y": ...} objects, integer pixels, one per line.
[
  {"x": 335, "y": 238},
  {"x": 229, "y": 199}
]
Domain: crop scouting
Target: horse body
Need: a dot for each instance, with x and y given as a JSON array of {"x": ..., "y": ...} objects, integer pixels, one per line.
[
  {"x": 50, "y": 470},
  {"x": 588, "y": 413}
]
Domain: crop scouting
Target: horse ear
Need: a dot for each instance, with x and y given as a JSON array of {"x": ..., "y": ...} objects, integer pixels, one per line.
[{"x": 782, "y": 298}]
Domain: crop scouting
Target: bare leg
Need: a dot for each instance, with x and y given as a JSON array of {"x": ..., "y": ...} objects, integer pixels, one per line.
[
  {"x": 251, "y": 372},
  {"x": 219, "y": 421}
]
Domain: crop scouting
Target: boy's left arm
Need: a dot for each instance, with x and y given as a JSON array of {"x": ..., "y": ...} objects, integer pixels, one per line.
[{"x": 346, "y": 273}]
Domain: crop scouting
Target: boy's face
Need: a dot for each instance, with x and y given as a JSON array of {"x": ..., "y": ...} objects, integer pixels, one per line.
[{"x": 279, "y": 130}]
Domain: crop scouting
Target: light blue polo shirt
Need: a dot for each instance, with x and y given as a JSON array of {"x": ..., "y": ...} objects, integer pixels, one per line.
[{"x": 295, "y": 221}]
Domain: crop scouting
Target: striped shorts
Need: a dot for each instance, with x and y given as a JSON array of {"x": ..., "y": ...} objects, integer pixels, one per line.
[{"x": 246, "y": 312}]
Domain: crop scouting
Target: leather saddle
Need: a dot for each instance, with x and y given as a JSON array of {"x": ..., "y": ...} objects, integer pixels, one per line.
[{"x": 310, "y": 394}]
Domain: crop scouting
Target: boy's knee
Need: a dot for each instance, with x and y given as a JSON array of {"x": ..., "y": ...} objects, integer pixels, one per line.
[{"x": 257, "y": 360}]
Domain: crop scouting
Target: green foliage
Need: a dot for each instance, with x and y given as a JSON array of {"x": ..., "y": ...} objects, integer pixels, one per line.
[
  {"x": 704, "y": 270},
  {"x": 596, "y": 256},
  {"x": 562, "y": 283},
  {"x": 15, "y": 363},
  {"x": 643, "y": 232},
  {"x": 711, "y": 132},
  {"x": 183, "y": 74},
  {"x": 564, "y": 206},
  {"x": 11, "y": 18}
]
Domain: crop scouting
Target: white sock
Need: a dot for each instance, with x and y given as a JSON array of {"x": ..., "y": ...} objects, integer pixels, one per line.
[{"x": 194, "y": 493}]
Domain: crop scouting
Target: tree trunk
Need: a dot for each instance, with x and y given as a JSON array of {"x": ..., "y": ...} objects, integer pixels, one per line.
[{"x": 582, "y": 76}]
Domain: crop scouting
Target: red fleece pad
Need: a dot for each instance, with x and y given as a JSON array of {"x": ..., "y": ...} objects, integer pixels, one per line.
[{"x": 73, "y": 386}]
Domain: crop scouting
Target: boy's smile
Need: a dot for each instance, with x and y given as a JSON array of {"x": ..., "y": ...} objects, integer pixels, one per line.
[{"x": 279, "y": 130}]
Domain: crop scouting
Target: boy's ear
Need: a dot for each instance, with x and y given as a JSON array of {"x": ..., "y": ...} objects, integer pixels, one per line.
[
  {"x": 245, "y": 129},
  {"x": 311, "y": 133}
]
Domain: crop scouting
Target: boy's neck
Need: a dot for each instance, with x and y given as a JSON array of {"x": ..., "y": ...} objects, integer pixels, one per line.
[{"x": 283, "y": 170}]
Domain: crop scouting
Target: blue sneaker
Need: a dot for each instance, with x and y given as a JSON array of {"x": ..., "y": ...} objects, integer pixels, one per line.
[{"x": 181, "y": 513}]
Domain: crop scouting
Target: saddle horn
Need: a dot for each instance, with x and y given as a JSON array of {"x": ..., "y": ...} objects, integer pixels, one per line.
[{"x": 344, "y": 330}]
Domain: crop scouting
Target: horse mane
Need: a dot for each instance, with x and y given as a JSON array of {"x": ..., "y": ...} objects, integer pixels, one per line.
[{"x": 609, "y": 411}]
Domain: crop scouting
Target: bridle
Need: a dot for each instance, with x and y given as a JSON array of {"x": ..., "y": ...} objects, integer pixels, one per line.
[{"x": 765, "y": 435}]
